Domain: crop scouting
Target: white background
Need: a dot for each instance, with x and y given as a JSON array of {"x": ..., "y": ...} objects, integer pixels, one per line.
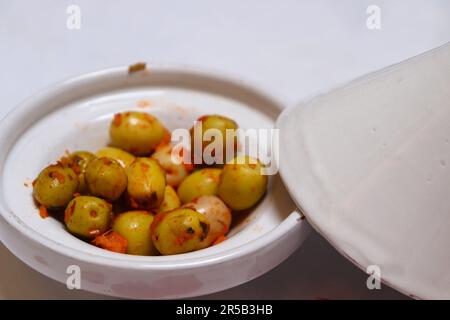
[{"x": 293, "y": 48}]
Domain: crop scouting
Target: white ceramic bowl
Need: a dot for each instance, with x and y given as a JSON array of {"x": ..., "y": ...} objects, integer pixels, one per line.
[{"x": 75, "y": 115}]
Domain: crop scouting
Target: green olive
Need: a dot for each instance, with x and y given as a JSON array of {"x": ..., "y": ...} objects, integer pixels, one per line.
[
  {"x": 202, "y": 145},
  {"x": 135, "y": 227},
  {"x": 146, "y": 184},
  {"x": 175, "y": 173},
  {"x": 179, "y": 231},
  {"x": 216, "y": 213},
  {"x": 55, "y": 186},
  {"x": 170, "y": 201},
  {"x": 78, "y": 161},
  {"x": 136, "y": 132},
  {"x": 122, "y": 157},
  {"x": 204, "y": 182},
  {"x": 106, "y": 178},
  {"x": 241, "y": 184},
  {"x": 88, "y": 217}
]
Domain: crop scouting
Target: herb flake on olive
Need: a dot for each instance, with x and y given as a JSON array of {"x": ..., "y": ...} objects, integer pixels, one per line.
[
  {"x": 179, "y": 231},
  {"x": 216, "y": 213}
]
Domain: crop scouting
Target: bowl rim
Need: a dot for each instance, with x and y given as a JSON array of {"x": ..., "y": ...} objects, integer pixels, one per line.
[{"x": 171, "y": 262}]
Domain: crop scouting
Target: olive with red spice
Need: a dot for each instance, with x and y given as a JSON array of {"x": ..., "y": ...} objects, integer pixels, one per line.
[
  {"x": 121, "y": 156},
  {"x": 136, "y": 132},
  {"x": 203, "y": 182},
  {"x": 242, "y": 183},
  {"x": 204, "y": 133},
  {"x": 170, "y": 201},
  {"x": 179, "y": 231},
  {"x": 55, "y": 186},
  {"x": 216, "y": 213},
  {"x": 88, "y": 217},
  {"x": 106, "y": 178},
  {"x": 146, "y": 184},
  {"x": 78, "y": 161},
  {"x": 134, "y": 226}
]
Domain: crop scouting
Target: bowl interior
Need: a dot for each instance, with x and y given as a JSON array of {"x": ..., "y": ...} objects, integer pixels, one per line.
[{"x": 71, "y": 121}]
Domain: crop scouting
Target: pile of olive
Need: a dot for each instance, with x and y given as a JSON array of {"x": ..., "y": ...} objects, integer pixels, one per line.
[{"x": 131, "y": 197}]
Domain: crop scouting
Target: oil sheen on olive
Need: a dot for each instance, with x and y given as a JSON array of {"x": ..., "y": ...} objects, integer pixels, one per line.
[
  {"x": 121, "y": 156},
  {"x": 203, "y": 182},
  {"x": 170, "y": 201},
  {"x": 179, "y": 231},
  {"x": 55, "y": 186},
  {"x": 146, "y": 184},
  {"x": 106, "y": 178},
  {"x": 202, "y": 133},
  {"x": 136, "y": 132},
  {"x": 87, "y": 216},
  {"x": 78, "y": 161},
  {"x": 135, "y": 227},
  {"x": 241, "y": 184}
]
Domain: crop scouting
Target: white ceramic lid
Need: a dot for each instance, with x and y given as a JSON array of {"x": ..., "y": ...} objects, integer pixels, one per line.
[{"x": 369, "y": 165}]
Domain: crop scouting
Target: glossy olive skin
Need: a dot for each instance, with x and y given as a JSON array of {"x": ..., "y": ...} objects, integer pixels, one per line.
[
  {"x": 146, "y": 184},
  {"x": 88, "y": 217},
  {"x": 220, "y": 123},
  {"x": 106, "y": 178},
  {"x": 122, "y": 157},
  {"x": 55, "y": 186},
  {"x": 241, "y": 184},
  {"x": 216, "y": 213},
  {"x": 175, "y": 173},
  {"x": 199, "y": 183},
  {"x": 179, "y": 231},
  {"x": 136, "y": 132},
  {"x": 135, "y": 227},
  {"x": 78, "y": 161},
  {"x": 170, "y": 201}
]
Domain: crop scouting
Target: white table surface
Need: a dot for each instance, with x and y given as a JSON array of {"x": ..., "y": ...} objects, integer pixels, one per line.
[{"x": 293, "y": 48}]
